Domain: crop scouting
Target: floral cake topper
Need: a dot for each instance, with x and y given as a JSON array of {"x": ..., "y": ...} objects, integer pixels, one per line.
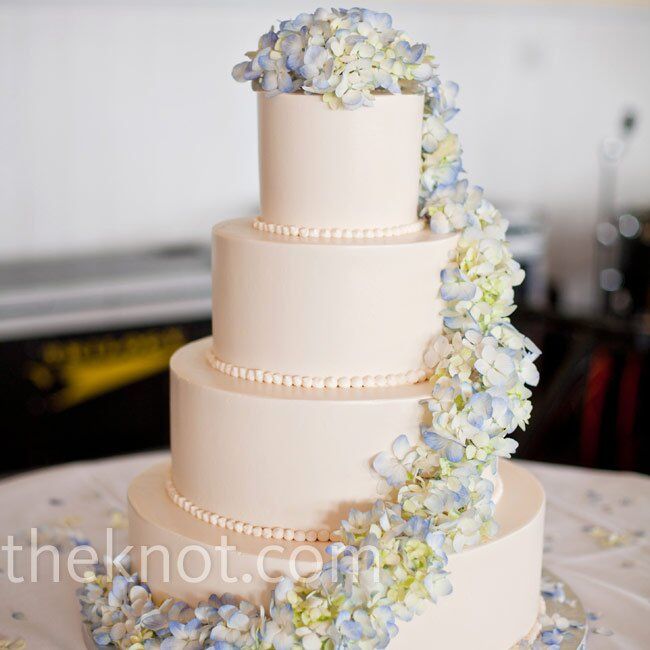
[
  {"x": 435, "y": 498},
  {"x": 344, "y": 55}
]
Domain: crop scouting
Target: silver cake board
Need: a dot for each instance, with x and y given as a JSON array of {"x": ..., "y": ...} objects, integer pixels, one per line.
[{"x": 568, "y": 606}]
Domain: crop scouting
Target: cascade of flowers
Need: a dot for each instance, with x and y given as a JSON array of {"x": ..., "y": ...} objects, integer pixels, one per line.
[{"x": 435, "y": 498}]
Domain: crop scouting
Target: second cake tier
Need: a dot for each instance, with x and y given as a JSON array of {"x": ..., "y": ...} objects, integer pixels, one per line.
[{"x": 324, "y": 313}]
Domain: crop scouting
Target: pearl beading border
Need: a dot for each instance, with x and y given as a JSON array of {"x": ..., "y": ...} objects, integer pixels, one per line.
[
  {"x": 265, "y": 532},
  {"x": 338, "y": 233},
  {"x": 297, "y": 381}
]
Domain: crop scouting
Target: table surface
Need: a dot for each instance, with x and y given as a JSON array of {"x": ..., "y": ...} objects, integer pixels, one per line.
[{"x": 596, "y": 540}]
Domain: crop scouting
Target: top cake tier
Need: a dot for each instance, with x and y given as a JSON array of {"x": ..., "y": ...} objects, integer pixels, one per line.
[{"x": 323, "y": 168}]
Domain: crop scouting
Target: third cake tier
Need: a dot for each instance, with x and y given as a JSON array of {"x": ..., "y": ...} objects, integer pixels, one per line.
[{"x": 280, "y": 462}]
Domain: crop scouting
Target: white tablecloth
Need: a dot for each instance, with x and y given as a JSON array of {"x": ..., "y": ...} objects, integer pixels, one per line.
[{"x": 597, "y": 540}]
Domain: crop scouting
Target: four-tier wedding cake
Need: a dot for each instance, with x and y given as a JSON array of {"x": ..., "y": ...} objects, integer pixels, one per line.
[{"x": 335, "y": 442}]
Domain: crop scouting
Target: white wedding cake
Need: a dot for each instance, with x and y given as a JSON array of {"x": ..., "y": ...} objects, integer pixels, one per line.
[{"x": 361, "y": 380}]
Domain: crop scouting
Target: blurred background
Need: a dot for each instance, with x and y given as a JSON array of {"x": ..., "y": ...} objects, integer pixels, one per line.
[{"x": 123, "y": 139}]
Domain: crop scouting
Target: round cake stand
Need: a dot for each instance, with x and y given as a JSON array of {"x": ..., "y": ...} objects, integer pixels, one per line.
[
  {"x": 561, "y": 602},
  {"x": 561, "y": 605}
]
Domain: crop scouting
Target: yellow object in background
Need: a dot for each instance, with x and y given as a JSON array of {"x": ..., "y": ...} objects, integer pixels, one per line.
[{"x": 82, "y": 369}]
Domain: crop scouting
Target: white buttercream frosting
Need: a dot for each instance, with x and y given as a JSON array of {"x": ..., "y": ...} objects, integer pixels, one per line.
[
  {"x": 307, "y": 381},
  {"x": 529, "y": 640},
  {"x": 244, "y": 527},
  {"x": 338, "y": 233},
  {"x": 322, "y": 167}
]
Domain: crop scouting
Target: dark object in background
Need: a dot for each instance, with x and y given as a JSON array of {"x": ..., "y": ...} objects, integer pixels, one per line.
[
  {"x": 589, "y": 406},
  {"x": 84, "y": 349},
  {"x": 634, "y": 295},
  {"x": 617, "y": 229}
]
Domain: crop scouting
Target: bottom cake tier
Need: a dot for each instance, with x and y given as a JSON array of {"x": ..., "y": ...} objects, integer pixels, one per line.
[{"x": 495, "y": 597}]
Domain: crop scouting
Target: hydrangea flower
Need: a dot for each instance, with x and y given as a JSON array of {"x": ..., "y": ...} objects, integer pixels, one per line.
[
  {"x": 453, "y": 207},
  {"x": 456, "y": 285},
  {"x": 496, "y": 366},
  {"x": 238, "y": 625},
  {"x": 438, "y": 350},
  {"x": 442, "y": 166},
  {"x": 344, "y": 55},
  {"x": 395, "y": 468},
  {"x": 185, "y": 636},
  {"x": 451, "y": 448}
]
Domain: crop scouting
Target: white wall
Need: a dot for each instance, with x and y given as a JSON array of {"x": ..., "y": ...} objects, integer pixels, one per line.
[{"x": 120, "y": 124}]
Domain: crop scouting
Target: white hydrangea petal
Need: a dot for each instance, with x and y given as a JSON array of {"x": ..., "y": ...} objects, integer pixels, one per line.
[{"x": 401, "y": 447}]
